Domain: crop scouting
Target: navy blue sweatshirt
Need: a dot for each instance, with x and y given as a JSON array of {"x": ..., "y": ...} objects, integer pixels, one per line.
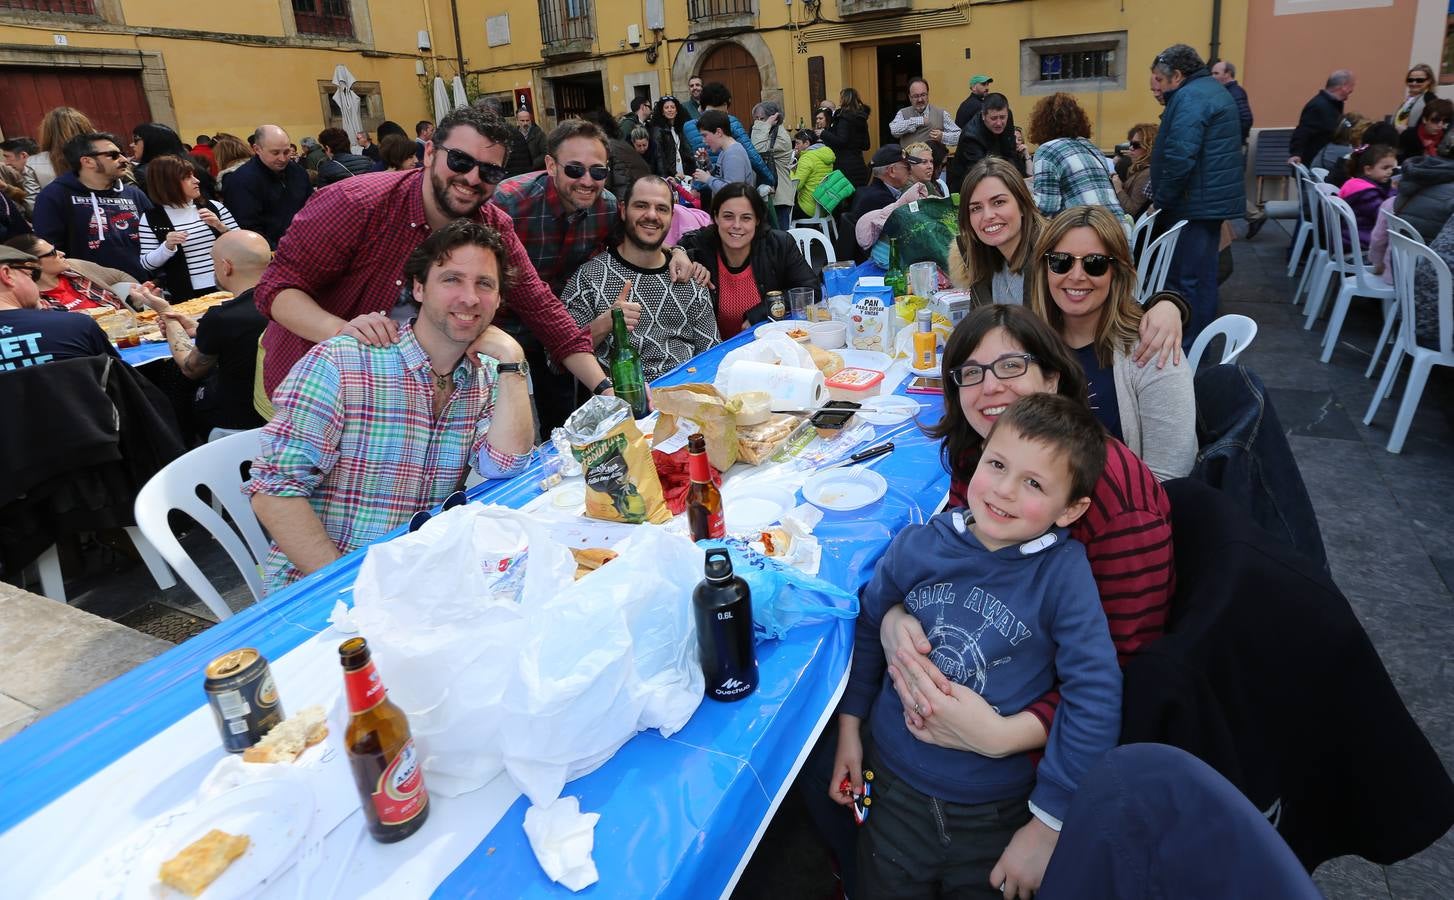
[
  {"x": 1004, "y": 624},
  {"x": 102, "y": 227}
]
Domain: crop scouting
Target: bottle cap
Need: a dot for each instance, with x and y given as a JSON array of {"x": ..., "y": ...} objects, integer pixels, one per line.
[
  {"x": 925, "y": 318},
  {"x": 719, "y": 565}
]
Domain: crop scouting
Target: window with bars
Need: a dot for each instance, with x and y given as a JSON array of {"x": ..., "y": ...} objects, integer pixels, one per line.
[
  {"x": 706, "y": 9},
  {"x": 70, "y": 7},
  {"x": 326, "y": 17},
  {"x": 566, "y": 20},
  {"x": 1078, "y": 65}
]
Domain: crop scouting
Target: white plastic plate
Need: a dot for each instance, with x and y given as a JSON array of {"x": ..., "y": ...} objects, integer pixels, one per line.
[
  {"x": 851, "y": 487},
  {"x": 888, "y": 409},
  {"x": 274, "y": 814},
  {"x": 755, "y": 507}
]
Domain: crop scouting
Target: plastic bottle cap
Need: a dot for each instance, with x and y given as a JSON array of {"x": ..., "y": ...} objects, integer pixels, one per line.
[
  {"x": 925, "y": 319},
  {"x": 719, "y": 565}
]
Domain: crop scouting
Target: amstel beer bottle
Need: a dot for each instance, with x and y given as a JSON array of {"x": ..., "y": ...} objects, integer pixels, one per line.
[{"x": 386, "y": 767}]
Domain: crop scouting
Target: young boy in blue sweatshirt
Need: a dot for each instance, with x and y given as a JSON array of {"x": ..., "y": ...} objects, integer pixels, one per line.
[{"x": 1009, "y": 604}]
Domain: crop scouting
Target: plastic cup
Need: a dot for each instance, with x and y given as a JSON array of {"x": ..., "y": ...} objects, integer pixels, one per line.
[{"x": 799, "y": 299}]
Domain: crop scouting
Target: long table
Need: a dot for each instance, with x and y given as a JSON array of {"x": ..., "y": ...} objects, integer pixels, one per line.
[{"x": 679, "y": 817}]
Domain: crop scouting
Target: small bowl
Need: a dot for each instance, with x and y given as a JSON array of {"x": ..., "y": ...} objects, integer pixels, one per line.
[{"x": 828, "y": 335}]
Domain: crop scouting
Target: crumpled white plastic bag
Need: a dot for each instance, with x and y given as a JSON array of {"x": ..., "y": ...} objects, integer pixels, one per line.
[
  {"x": 773, "y": 349},
  {"x": 549, "y": 687}
]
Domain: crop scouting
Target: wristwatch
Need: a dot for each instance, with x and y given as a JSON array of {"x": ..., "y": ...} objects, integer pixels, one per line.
[
  {"x": 603, "y": 387},
  {"x": 522, "y": 367}
]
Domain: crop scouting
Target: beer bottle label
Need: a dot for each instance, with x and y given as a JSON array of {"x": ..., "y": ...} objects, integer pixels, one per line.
[
  {"x": 364, "y": 688},
  {"x": 399, "y": 794}
]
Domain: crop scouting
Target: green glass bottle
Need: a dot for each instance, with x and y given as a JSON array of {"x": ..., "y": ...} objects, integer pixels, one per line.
[
  {"x": 895, "y": 277},
  {"x": 626, "y": 374}
]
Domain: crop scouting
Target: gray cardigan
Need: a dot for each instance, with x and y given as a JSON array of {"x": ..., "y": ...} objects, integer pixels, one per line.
[{"x": 1158, "y": 414}]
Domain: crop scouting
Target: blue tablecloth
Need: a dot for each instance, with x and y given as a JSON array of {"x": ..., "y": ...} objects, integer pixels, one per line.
[
  {"x": 142, "y": 354},
  {"x": 677, "y": 814}
]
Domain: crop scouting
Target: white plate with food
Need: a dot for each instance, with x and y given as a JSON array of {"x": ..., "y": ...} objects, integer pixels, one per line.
[
  {"x": 852, "y": 487},
  {"x": 793, "y": 328},
  {"x": 272, "y": 815},
  {"x": 754, "y": 507}
]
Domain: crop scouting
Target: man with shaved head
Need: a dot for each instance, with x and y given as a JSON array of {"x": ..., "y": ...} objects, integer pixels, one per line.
[
  {"x": 220, "y": 350},
  {"x": 270, "y": 188}
]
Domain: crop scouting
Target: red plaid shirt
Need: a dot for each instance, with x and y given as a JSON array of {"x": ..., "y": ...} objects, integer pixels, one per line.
[
  {"x": 346, "y": 249},
  {"x": 558, "y": 240}
]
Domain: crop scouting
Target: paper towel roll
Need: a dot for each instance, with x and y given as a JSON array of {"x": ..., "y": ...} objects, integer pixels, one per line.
[{"x": 790, "y": 387}]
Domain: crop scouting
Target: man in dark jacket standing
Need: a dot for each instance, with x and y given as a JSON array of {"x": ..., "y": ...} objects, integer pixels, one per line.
[
  {"x": 979, "y": 88},
  {"x": 991, "y": 133},
  {"x": 1196, "y": 174},
  {"x": 268, "y": 190},
  {"x": 527, "y": 150},
  {"x": 1321, "y": 117}
]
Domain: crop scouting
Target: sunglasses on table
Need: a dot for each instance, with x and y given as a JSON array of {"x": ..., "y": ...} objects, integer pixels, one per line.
[
  {"x": 112, "y": 155},
  {"x": 576, "y": 170},
  {"x": 461, "y": 162},
  {"x": 1094, "y": 264},
  {"x": 1011, "y": 365}
]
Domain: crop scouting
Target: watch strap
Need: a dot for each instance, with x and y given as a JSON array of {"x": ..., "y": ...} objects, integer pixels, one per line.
[{"x": 604, "y": 386}]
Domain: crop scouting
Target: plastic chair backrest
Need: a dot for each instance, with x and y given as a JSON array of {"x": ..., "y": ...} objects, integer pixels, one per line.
[
  {"x": 1344, "y": 248},
  {"x": 1142, "y": 231},
  {"x": 1239, "y": 331},
  {"x": 1318, "y": 173},
  {"x": 1400, "y": 225},
  {"x": 1320, "y": 191},
  {"x": 1155, "y": 263},
  {"x": 807, "y": 237},
  {"x": 1404, "y": 256},
  {"x": 217, "y": 466}
]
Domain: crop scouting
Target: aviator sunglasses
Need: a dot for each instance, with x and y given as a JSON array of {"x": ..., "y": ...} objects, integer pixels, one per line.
[
  {"x": 461, "y": 162},
  {"x": 1094, "y": 264}
]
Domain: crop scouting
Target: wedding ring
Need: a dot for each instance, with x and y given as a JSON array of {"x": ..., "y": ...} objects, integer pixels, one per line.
[{"x": 918, "y": 709}]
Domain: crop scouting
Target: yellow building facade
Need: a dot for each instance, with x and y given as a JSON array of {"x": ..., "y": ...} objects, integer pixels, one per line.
[{"x": 210, "y": 66}]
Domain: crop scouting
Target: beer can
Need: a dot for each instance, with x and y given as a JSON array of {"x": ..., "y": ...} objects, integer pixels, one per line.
[{"x": 243, "y": 697}]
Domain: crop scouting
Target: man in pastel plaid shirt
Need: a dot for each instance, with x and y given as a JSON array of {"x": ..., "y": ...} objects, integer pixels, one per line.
[{"x": 365, "y": 436}]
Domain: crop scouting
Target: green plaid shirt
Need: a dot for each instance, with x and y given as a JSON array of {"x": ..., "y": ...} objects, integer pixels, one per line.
[{"x": 1072, "y": 172}]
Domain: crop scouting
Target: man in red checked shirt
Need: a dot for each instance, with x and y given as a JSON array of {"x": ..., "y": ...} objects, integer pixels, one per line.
[{"x": 339, "y": 268}]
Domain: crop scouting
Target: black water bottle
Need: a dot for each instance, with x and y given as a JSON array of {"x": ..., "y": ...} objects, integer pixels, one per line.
[{"x": 723, "y": 605}]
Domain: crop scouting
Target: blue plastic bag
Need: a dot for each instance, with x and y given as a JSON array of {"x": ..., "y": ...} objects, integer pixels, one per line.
[
  {"x": 782, "y": 596},
  {"x": 840, "y": 282}
]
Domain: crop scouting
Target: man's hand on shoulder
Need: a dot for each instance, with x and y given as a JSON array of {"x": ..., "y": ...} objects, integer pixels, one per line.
[
  {"x": 497, "y": 344},
  {"x": 372, "y": 329},
  {"x": 683, "y": 269}
]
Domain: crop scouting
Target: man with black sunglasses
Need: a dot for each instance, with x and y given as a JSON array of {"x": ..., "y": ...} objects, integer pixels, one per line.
[
  {"x": 89, "y": 212},
  {"x": 30, "y": 335},
  {"x": 563, "y": 217},
  {"x": 340, "y": 267}
]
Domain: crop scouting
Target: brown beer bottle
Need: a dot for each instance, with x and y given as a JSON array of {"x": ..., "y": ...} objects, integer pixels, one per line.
[
  {"x": 704, "y": 499},
  {"x": 386, "y": 767}
]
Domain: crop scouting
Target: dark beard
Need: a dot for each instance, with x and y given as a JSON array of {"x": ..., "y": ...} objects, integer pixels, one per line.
[
  {"x": 642, "y": 245},
  {"x": 441, "y": 198}
]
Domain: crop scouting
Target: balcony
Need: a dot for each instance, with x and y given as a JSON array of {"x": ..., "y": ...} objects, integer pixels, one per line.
[
  {"x": 710, "y": 18},
  {"x": 867, "y": 9},
  {"x": 567, "y": 29}
]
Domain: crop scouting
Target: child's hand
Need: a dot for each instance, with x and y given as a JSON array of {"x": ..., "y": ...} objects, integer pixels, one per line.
[{"x": 847, "y": 763}]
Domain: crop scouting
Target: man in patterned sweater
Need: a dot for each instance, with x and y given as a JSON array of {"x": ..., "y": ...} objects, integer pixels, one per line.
[{"x": 671, "y": 322}]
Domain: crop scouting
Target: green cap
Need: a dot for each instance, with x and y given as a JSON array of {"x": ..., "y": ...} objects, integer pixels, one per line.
[{"x": 980, "y": 79}]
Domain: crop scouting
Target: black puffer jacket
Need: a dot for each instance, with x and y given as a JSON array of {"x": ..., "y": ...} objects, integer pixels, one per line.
[
  {"x": 976, "y": 142},
  {"x": 1426, "y": 194},
  {"x": 847, "y": 136},
  {"x": 777, "y": 264}
]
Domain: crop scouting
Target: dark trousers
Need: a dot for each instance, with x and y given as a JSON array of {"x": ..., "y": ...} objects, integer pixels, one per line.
[
  {"x": 917, "y": 846},
  {"x": 1194, "y": 273}
]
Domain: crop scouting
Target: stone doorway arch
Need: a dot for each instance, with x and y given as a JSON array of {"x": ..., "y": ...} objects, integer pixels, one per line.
[{"x": 691, "y": 61}]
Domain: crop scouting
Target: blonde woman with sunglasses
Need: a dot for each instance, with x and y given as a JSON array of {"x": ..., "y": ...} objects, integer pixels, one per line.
[{"x": 1082, "y": 282}]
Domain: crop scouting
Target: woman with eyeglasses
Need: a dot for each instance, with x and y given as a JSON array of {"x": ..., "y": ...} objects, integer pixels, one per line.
[
  {"x": 746, "y": 257},
  {"x": 1420, "y": 83},
  {"x": 1423, "y": 139},
  {"x": 998, "y": 228},
  {"x": 1132, "y": 191},
  {"x": 150, "y": 140},
  {"x": 180, "y": 229},
  {"x": 995, "y": 356},
  {"x": 62, "y": 287},
  {"x": 1082, "y": 282},
  {"x": 672, "y": 156}
]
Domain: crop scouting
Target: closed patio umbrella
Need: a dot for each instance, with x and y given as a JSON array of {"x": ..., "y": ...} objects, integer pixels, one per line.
[
  {"x": 461, "y": 99},
  {"x": 349, "y": 104},
  {"x": 441, "y": 99}
]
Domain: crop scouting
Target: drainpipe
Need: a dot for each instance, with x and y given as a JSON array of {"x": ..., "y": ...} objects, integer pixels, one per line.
[
  {"x": 459, "y": 45},
  {"x": 1216, "y": 30}
]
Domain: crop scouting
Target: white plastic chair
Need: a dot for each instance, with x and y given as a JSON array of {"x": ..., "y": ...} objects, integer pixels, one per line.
[
  {"x": 1350, "y": 272},
  {"x": 807, "y": 237},
  {"x": 53, "y": 580},
  {"x": 1396, "y": 225},
  {"x": 1318, "y": 173},
  {"x": 1316, "y": 273},
  {"x": 1239, "y": 331},
  {"x": 821, "y": 221},
  {"x": 1155, "y": 263},
  {"x": 1142, "y": 232},
  {"x": 217, "y": 466},
  {"x": 1404, "y": 255},
  {"x": 1305, "y": 224}
]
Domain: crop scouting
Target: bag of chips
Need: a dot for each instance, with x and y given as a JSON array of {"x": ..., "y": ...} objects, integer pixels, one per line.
[{"x": 621, "y": 482}]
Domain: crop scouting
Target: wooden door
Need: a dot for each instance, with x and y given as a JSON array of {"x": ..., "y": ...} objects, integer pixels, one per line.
[
  {"x": 860, "y": 72},
  {"x": 735, "y": 67},
  {"x": 112, "y": 99}
]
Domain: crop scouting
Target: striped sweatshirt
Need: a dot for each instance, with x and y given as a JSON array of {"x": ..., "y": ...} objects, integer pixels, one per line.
[{"x": 1127, "y": 537}]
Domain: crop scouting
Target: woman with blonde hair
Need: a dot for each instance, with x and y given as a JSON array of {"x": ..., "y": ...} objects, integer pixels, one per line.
[
  {"x": 1083, "y": 283},
  {"x": 1420, "y": 83},
  {"x": 231, "y": 152},
  {"x": 59, "y": 125},
  {"x": 1131, "y": 193},
  {"x": 998, "y": 229}
]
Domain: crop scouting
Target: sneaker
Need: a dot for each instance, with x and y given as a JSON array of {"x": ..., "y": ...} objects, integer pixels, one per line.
[{"x": 1254, "y": 226}]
